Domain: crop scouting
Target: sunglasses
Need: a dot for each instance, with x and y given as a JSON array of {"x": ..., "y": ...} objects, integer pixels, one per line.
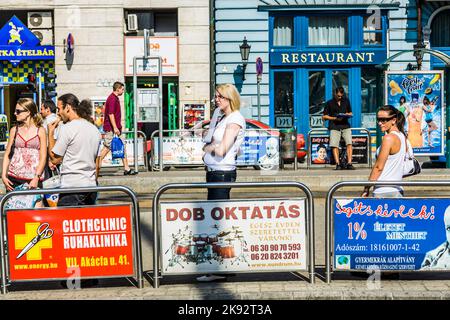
[
  {"x": 19, "y": 111},
  {"x": 218, "y": 95},
  {"x": 384, "y": 120}
]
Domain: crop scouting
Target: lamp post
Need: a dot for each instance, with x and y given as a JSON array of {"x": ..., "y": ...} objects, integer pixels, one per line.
[{"x": 245, "y": 52}]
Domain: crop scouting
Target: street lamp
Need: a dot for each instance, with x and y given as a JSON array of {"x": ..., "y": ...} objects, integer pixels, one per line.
[{"x": 245, "y": 52}]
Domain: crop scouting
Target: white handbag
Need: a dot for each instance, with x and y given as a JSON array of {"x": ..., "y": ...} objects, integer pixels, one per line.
[
  {"x": 412, "y": 165},
  {"x": 51, "y": 183}
]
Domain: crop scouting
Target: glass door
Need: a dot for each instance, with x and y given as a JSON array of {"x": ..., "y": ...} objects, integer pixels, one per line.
[
  {"x": 283, "y": 98},
  {"x": 321, "y": 87}
]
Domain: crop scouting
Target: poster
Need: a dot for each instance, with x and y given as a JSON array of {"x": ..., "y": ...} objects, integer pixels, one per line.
[
  {"x": 231, "y": 236},
  {"x": 321, "y": 152},
  {"x": 99, "y": 113},
  {"x": 420, "y": 96},
  {"x": 180, "y": 150},
  {"x": 392, "y": 234},
  {"x": 193, "y": 114},
  {"x": 93, "y": 241},
  {"x": 261, "y": 150}
]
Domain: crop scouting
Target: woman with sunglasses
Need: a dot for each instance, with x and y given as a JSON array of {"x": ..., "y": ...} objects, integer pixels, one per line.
[
  {"x": 223, "y": 140},
  {"x": 24, "y": 159},
  {"x": 391, "y": 153}
]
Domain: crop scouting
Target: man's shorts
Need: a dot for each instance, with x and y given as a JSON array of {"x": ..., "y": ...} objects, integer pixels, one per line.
[
  {"x": 108, "y": 138},
  {"x": 335, "y": 137}
]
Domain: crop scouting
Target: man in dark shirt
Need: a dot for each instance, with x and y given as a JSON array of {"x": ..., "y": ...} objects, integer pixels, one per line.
[
  {"x": 113, "y": 126},
  {"x": 337, "y": 111}
]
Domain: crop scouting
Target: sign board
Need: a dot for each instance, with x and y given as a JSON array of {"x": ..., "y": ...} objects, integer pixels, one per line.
[
  {"x": 420, "y": 96},
  {"x": 284, "y": 121},
  {"x": 257, "y": 149},
  {"x": 321, "y": 152},
  {"x": 166, "y": 47},
  {"x": 84, "y": 242},
  {"x": 391, "y": 234},
  {"x": 232, "y": 236},
  {"x": 148, "y": 105},
  {"x": 316, "y": 121},
  {"x": 129, "y": 145}
]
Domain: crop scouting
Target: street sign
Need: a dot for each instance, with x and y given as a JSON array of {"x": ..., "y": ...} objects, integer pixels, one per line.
[
  {"x": 259, "y": 68},
  {"x": 284, "y": 121}
]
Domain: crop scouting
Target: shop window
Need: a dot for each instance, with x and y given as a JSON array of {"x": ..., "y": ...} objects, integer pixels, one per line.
[
  {"x": 159, "y": 23},
  {"x": 283, "y": 28},
  {"x": 284, "y": 88},
  {"x": 372, "y": 31},
  {"x": 440, "y": 30},
  {"x": 328, "y": 31}
]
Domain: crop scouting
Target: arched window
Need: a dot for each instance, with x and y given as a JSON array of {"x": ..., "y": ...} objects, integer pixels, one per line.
[{"x": 440, "y": 30}]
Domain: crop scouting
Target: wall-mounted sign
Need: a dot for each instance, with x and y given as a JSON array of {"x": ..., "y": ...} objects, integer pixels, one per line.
[
  {"x": 327, "y": 58},
  {"x": 18, "y": 43},
  {"x": 420, "y": 96},
  {"x": 166, "y": 47},
  {"x": 70, "y": 43},
  {"x": 193, "y": 114}
]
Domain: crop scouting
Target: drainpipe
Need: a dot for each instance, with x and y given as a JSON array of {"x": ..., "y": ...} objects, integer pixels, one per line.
[
  {"x": 212, "y": 52},
  {"x": 419, "y": 46}
]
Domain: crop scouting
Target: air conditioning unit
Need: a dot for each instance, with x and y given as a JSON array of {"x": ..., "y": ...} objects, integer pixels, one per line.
[
  {"x": 40, "y": 20},
  {"x": 132, "y": 20},
  {"x": 44, "y": 35}
]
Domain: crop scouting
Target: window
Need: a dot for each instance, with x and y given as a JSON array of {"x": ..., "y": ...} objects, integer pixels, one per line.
[
  {"x": 283, "y": 31},
  {"x": 328, "y": 31},
  {"x": 159, "y": 23},
  {"x": 440, "y": 30},
  {"x": 372, "y": 31},
  {"x": 368, "y": 90},
  {"x": 284, "y": 89}
]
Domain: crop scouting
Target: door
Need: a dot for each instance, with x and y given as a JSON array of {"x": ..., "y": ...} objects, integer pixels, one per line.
[
  {"x": 283, "y": 115},
  {"x": 321, "y": 86}
]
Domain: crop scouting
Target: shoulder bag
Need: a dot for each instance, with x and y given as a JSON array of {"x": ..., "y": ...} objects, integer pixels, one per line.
[
  {"x": 412, "y": 165},
  {"x": 13, "y": 146}
]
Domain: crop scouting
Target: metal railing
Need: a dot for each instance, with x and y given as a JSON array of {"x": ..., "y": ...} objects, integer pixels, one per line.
[
  {"x": 193, "y": 133},
  {"x": 325, "y": 132},
  {"x": 136, "y": 215},
  {"x": 329, "y": 216},
  {"x": 157, "y": 243}
]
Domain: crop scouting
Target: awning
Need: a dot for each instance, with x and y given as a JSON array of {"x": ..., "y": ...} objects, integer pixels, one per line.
[{"x": 266, "y": 5}]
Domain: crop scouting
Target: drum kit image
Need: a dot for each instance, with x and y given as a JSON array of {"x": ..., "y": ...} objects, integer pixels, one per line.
[{"x": 227, "y": 247}]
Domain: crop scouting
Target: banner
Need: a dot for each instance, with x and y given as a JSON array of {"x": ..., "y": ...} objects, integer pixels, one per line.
[
  {"x": 420, "y": 96},
  {"x": 99, "y": 113},
  {"x": 257, "y": 149},
  {"x": 58, "y": 243},
  {"x": 392, "y": 234},
  {"x": 231, "y": 236},
  {"x": 321, "y": 151},
  {"x": 193, "y": 114}
]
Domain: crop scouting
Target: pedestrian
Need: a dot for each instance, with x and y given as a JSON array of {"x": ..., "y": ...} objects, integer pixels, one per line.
[
  {"x": 337, "y": 111},
  {"x": 25, "y": 156},
  {"x": 113, "y": 127},
  {"x": 222, "y": 143},
  {"x": 48, "y": 113},
  {"x": 391, "y": 153},
  {"x": 76, "y": 149}
]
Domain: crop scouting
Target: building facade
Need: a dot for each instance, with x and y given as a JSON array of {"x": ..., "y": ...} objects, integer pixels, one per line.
[
  {"x": 103, "y": 37},
  {"x": 311, "y": 47}
]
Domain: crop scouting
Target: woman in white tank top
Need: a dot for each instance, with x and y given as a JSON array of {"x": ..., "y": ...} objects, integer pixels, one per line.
[{"x": 391, "y": 153}]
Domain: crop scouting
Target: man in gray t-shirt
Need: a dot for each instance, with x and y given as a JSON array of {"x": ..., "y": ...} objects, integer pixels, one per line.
[{"x": 76, "y": 149}]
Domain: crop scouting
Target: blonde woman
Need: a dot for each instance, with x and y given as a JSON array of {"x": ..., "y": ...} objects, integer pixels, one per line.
[
  {"x": 223, "y": 140},
  {"x": 24, "y": 159}
]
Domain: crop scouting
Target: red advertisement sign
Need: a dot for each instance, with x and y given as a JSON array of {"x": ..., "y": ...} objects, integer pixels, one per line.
[{"x": 58, "y": 243}]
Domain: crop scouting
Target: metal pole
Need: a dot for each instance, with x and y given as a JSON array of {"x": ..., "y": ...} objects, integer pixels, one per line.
[
  {"x": 258, "y": 87},
  {"x": 40, "y": 100},
  {"x": 135, "y": 127},
  {"x": 446, "y": 85},
  {"x": 161, "y": 118}
]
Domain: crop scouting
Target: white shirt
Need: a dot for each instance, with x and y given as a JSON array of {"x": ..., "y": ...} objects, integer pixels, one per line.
[
  {"x": 78, "y": 144},
  {"x": 50, "y": 119},
  {"x": 228, "y": 161},
  {"x": 393, "y": 169}
]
